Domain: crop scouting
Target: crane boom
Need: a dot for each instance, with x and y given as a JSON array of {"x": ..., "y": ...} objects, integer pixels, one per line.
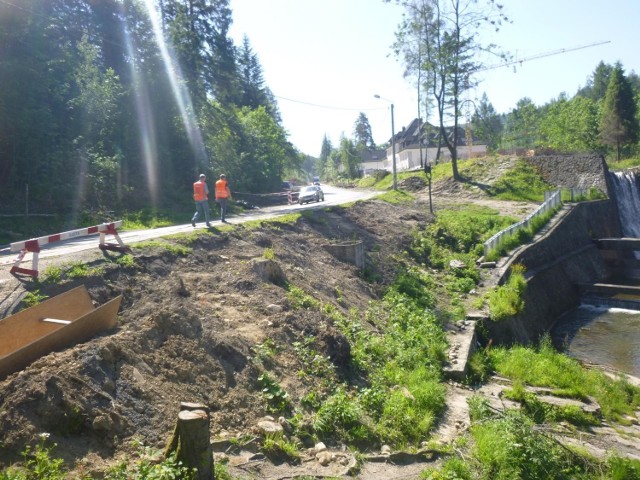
[{"x": 542, "y": 55}]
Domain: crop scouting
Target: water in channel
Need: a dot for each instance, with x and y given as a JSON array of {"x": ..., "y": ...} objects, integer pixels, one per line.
[{"x": 602, "y": 336}]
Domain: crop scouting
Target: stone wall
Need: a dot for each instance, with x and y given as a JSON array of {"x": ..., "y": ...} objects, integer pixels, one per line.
[
  {"x": 573, "y": 171},
  {"x": 564, "y": 257}
]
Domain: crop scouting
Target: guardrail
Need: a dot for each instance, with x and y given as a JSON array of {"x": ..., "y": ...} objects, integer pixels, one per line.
[
  {"x": 552, "y": 200},
  {"x": 33, "y": 245}
]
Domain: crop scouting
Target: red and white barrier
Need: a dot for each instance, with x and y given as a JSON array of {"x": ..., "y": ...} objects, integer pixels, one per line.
[{"x": 33, "y": 245}]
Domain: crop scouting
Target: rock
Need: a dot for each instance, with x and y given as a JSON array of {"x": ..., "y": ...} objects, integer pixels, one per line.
[
  {"x": 102, "y": 423},
  {"x": 269, "y": 427},
  {"x": 269, "y": 271},
  {"x": 385, "y": 450},
  {"x": 319, "y": 447},
  {"x": 324, "y": 458},
  {"x": 273, "y": 308}
]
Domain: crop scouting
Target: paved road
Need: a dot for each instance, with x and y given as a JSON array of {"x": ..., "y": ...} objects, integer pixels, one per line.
[{"x": 333, "y": 196}]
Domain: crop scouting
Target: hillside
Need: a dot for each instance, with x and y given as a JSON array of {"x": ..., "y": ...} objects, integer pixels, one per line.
[{"x": 206, "y": 316}]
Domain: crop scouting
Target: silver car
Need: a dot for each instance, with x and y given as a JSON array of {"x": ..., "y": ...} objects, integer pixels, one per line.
[{"x": 312, "y": 193}]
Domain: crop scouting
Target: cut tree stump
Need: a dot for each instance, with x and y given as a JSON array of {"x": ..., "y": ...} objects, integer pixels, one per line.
[{"x": 190, "y": 440}]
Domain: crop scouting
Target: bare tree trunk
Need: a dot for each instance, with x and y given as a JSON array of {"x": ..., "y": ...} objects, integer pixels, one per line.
[{"x": 190, "y": 440}]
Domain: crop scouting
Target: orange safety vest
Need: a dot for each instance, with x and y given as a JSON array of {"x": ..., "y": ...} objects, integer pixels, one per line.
[
  {"x": 199, "y": 192},
  {"x": 222, "y": 191}
]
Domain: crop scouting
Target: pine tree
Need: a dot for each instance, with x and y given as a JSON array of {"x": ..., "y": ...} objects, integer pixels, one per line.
[
  {"x": 618, "y": 124},
  {"x": 362, "y": 133}
]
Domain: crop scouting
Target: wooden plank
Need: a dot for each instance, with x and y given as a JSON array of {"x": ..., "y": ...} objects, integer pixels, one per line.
[
  {"x": 56, "y": 336},
  {"x": 25, "y": 326}
]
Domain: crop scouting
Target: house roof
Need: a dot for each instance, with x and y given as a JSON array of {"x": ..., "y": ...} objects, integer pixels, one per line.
[{"x": 410, "y": 136}]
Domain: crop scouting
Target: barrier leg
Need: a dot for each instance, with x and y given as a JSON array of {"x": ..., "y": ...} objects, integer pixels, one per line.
[
  {"x": 33, "y": 271},
  {"x": 119, "y": 247}
]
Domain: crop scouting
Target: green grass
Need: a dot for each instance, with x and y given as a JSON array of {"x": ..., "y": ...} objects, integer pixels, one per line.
[
  {"x": 396, "y": 197},
  {"x": 39, "y": 463},
  {"x": 506, "y": 300},
  {"x": 176, "y": 249},
  {"x": 545, "y": 367},
  {"x": 520, "y": 236},
  {"x": 278, "y": 449},
  {"x": 457, "y": 234},
  {"x": 523, "y": 182},
  {"x": 623, "y": 164}
]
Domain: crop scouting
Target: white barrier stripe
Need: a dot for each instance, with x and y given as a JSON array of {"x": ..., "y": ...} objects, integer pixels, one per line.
[{"x": 81, "y": 232}]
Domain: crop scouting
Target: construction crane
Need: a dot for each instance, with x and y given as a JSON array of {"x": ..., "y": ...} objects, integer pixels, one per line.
[
  {"x": 541, "y": 55},
  {"x": 468, "y": 134}
]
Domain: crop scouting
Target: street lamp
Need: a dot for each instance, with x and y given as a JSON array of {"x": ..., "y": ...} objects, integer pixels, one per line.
[{"x": 393, "y": 142}]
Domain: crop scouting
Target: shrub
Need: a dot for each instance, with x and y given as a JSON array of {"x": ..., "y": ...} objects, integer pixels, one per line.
[{"x": 506, "y": 300}]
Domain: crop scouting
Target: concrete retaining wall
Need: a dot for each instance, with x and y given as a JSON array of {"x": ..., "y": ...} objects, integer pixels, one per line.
[{"x": 556, "y": 263}]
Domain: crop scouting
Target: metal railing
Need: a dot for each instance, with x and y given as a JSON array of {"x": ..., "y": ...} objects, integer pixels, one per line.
[{"x": 552, "y": 200}]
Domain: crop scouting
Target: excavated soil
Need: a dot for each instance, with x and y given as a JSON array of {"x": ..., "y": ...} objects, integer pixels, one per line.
[{"x": 190, "y": 329}]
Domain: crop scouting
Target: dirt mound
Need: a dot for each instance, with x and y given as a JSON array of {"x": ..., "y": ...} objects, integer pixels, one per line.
[{"x": 191, "y": 328}]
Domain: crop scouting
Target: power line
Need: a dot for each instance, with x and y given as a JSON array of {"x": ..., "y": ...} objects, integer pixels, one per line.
[{"x": 326, "y": 106}]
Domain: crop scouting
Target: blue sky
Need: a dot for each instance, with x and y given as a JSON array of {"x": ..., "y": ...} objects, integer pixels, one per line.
[{"x": 326, "y": 59}]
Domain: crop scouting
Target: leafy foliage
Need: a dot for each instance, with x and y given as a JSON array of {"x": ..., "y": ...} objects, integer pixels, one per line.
[{"x": 506, "y": 300}]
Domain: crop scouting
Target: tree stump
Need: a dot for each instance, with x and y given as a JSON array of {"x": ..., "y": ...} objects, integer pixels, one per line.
[{"x": 190, "y": 440}]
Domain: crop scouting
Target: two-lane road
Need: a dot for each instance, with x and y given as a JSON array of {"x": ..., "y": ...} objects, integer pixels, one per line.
[{"x": 332, "y": 195}]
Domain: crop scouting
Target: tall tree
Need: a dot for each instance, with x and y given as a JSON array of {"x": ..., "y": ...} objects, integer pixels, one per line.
[
  {"x": 323, "y": 160},
  {"x": 487, "y": 124},
  {"x": 362, "y": 133},
  {"x": 596, "y": 87},
  {"x": 254, "y": 93},
  {"x": 521, "y": 126},
  {"x": 444, "y": 36},
  {"x": 349, "y": 158},
  {"x": 570, "y": 125},
  {"x": 618, "y": 124}
]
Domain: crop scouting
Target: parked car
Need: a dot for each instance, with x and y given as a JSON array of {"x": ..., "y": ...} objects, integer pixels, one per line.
[{"x": 312, "y": 193}]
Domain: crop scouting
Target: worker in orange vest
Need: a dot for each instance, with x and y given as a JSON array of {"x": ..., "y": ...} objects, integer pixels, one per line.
[
  {"x": 201, "y": 196},
  {"x": 223, "y": 193}
]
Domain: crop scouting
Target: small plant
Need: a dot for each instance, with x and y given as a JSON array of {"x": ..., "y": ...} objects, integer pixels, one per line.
[
  {"x": 33, "y": 298},
  {"x": 313, "y": 363},
  {"x": 340, "y": 416},
  {"x": 277, "y": 399},
  {"x": 300, "y": 299},
  {"x": 127, "y": 261},
  {"x": 266, "y": 350},
  {"x": 82, "y": 270},
  {"x": 40, "y": 463},
  {"x": 279, "y": 449},
  {"x": 269, "y": 254},
  {"x": 147, "y": 467},
  {"x": 52, "y": 274}
]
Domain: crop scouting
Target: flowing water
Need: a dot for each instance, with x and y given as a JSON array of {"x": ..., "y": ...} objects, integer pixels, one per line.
[{"x": 602, "y": 336}]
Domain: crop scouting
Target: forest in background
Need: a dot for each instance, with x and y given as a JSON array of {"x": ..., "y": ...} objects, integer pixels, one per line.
[{"x": 120, "y": 104}]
